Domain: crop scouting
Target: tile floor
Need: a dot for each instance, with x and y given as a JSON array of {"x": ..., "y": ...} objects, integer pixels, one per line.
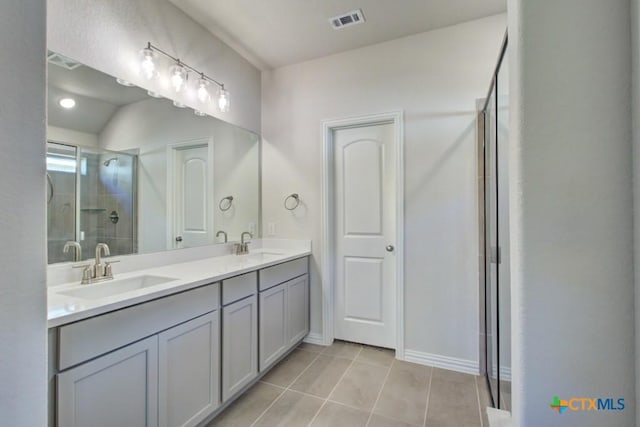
[{"x": 352, "y": 385}]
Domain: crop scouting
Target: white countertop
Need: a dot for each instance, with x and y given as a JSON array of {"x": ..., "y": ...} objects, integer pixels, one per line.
[{"x": 65, "y": 309}]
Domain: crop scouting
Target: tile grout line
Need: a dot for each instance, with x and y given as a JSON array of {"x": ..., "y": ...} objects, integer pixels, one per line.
[
  {"x": 426, "y": 408},
  {"x": 285, "y": 390},
  {"x": 479, "y": 404},
  {"x": 335, "y": 386},
  {"x": 386, "y": 377}
]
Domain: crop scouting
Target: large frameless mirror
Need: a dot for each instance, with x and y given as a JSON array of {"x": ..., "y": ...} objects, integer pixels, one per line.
[{"x": 140, "y": 173}]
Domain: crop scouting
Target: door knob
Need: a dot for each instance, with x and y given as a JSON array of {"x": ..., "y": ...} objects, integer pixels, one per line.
[
  {"x": 389, "y": 248},
  {"x": 179, "y": 239}
]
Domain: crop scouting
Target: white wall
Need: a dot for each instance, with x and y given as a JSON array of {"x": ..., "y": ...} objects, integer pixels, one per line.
[
  {"x": 435, "y": 78},
  {"x": 108, "y": 36},
  {"x": 571, "y": 209},
  {"x": 23, "y": 375},
  {"x": 71, "y": 136}
]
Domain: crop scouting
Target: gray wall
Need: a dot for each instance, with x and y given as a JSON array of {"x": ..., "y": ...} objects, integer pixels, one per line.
[
  {"x": 635, "y": 57},
  {"x": 571, "y": 209},
  {"x": 23, "y": 393}
]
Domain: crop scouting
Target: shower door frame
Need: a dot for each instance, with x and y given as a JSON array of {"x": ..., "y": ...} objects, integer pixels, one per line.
[{"x": 484, "y": 217}]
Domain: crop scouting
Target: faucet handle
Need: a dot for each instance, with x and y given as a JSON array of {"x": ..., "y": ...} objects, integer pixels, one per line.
[{"x": 88, "y": 273}]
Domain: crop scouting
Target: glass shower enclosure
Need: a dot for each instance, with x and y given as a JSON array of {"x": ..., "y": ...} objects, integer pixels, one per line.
[
  {"x": 91, "y": 199},
  {"x": 495, "y": 237}
]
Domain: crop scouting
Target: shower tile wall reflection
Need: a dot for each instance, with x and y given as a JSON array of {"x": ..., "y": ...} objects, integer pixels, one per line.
[
  {"x": 107, "y": 202},
  {"x": 105, "y": 205}
]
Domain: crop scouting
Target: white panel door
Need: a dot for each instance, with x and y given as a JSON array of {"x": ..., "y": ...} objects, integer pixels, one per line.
[
  {"x": 365, "y": 264},
  {"x": 239, "y": 345},
  {"x": 118, "y": 389},
  {"x": 188, "y": 371},
  {"x": 193, "y": 214}
]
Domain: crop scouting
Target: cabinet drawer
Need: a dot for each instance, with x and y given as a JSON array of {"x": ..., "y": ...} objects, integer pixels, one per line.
[
  {"x": 280, "y": 273},
  {"x": 98, "y": 335},
  {"x": 236, "y": 288}
]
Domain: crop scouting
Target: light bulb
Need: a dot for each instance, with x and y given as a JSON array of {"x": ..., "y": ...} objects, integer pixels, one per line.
[
  {"x": 179, "y": 104},
  {"x": 147, "y": 64},
  {"x": 203, "y": 90},
  {"x": 67, "y": 103},
  {"x": 223, "y": 100},
  {"x": 178, "y": 77}
]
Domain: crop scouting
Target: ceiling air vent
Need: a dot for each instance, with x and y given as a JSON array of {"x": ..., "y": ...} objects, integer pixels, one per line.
[
  {"x": 62, "y": 61},
  {"x": 352, "y": 18}
]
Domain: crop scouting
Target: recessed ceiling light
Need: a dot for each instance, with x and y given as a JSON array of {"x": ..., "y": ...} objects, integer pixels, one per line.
[{"x": 67, "y": 103}]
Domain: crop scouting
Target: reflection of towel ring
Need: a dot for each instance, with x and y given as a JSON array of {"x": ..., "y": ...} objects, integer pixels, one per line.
[
  {"x": 50, "y": 181},
  {"x": 225, "y": 206},
  {"x": 296, "y": 199}
]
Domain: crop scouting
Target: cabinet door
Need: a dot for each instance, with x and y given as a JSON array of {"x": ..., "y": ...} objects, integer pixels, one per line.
[
  {"x": 188, "y": 371},
  {"x": 239, "y": 345},
  {"x": 297, "y": 309},
  {"x": 274, "y": 340},
  {"x": 117, "y": 389}
]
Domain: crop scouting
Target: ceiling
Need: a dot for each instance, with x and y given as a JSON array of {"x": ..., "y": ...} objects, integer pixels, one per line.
[
  {"x": 98, "y": 96},
  {"x": 275, "y": 33}
]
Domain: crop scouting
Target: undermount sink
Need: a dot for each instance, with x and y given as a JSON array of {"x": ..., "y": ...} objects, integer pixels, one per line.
[{"x": 115, "y": 287}]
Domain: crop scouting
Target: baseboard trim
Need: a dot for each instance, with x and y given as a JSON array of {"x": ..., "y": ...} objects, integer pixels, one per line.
[
  {"x": 444, "y": 362},
  {"x": 314, "y": 338}
]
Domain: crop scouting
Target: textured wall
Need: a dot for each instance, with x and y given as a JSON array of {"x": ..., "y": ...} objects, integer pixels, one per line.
[
  {"x": 108, "y": 35},
  {"x": 23, "y": 393},
  {"x": 571, "y": 209},
  {"x": 435, "y": 77}
]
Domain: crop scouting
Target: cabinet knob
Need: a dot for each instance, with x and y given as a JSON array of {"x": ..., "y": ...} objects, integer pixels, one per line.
[
  {"x": 179, "y": 239},
  {"x": 389, "y": 248}
]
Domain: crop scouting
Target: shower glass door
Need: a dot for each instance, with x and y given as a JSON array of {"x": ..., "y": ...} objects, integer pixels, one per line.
[
  {"x": 62, "y": 167},
  {"x": 497, "y": 287}
]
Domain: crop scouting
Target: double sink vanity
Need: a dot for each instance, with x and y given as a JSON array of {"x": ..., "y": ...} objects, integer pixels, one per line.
[{"x": 172, "y": 344}]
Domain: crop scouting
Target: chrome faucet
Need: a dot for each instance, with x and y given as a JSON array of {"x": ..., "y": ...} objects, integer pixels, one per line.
[
  {"x": 78, "y": 249},
  {"x": 242, "y": 248},
  {"x": 225, "y": 235},
  {"x": 98, "y": 272}
]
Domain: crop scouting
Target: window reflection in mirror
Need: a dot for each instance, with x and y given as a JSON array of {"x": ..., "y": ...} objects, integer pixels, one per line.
[{"x": 139, "y": 173}]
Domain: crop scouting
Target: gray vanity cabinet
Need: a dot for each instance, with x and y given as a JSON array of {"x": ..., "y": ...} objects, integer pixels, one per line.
[
  {"x": 188, "y": 371},
  {"x": 239, "y": 333},
  {"x": 284, "y": 309},
  {"x": 274, "y": 340},
  {"x": 118, "y": 389},
  {"x": 109, "y": 376}
]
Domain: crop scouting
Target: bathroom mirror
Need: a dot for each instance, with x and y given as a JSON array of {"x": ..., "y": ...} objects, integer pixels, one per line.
[{"x": 141, "y": 173}]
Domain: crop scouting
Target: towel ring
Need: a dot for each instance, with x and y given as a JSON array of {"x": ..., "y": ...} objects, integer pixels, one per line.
[
  {"x": 225, "y": 206},
  {"x": 296, "y": 199}
]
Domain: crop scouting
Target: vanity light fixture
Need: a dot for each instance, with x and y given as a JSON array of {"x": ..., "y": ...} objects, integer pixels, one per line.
[
  {"x": 223, "y": 100},
  {"x": 203, "y": 90},
  {"x": 147, "y": 63},
  {"x": 179, "y": 104},
  {"x": 153, "y": 94},
  {"x": 67, "y": 103},
  {"x": 179, "y": 75},
  {"x": 199, "y": 113}
]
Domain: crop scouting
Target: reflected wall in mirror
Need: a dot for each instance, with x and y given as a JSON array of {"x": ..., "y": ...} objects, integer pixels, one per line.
[{"x": 138, "y": 172}]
